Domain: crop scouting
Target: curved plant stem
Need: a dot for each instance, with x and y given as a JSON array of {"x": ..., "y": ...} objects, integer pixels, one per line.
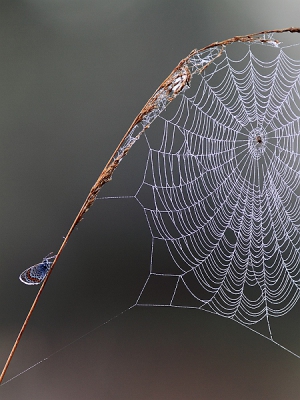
[{"x": 177, "y": 81}]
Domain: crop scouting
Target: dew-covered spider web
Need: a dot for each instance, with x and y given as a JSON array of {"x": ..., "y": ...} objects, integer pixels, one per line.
[
  {"x": 221, "y": 183},
  {"x": 221, "y": 187}
]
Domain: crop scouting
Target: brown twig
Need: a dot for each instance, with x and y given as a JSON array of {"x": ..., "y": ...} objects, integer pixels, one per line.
[{"x": 177, "y": 81}]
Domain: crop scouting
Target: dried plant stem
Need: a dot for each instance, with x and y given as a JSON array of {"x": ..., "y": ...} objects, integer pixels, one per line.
[{"x": 169, "y": 89}]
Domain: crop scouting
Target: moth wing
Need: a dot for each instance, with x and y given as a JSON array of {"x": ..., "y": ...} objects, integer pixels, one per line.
[{"x": 34, "y": 275}]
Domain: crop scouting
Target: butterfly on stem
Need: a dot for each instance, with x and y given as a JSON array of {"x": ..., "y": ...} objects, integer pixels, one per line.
[{"x": 35, "y": 274}]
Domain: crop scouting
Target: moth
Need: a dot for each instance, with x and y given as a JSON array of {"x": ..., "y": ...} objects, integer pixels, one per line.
[{"x": 35, "y": 274}]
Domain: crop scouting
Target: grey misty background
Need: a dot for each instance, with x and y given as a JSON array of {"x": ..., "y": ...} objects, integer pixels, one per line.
[{"x": 73, "y": 75}]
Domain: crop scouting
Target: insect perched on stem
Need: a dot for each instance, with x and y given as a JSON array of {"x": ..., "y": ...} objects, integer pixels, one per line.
[{"x": 35, "y": 274}]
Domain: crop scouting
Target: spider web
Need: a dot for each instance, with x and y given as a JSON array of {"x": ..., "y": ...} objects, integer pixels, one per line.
[{"x": 221, "y": 187}]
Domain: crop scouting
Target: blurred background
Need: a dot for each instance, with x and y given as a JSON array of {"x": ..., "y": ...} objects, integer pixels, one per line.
[{"x": 73, "y": 75}]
